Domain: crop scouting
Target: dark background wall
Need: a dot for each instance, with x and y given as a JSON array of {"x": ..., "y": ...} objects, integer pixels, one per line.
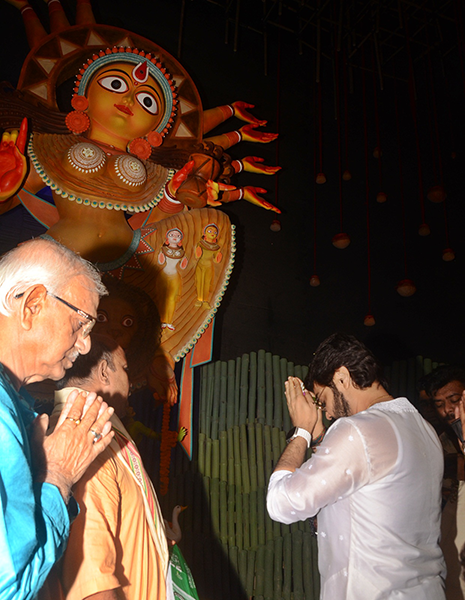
[{"x": 270, "y": 303}]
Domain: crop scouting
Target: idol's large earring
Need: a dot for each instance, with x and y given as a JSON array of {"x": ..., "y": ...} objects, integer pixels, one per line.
[
  {"x": 77, "y": 121},
  {"x": 155, "y": 139},
  {"x": 142, "y": 148}
]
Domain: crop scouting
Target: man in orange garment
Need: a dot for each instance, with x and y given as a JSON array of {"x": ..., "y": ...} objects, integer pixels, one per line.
[{"x": 118, "y": 547}]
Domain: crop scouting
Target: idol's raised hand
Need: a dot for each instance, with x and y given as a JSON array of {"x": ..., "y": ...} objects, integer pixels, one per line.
[
  {"x": 240, "y": 111},
  {"x": 255, "y": 164},
  {"x": 249, "y": 134}
]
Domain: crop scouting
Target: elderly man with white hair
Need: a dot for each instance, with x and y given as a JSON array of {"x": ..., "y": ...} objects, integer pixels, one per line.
[{"x": 48, "y": 299}]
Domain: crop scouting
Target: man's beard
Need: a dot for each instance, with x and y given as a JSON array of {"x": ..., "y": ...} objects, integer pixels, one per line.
[{"x": 341, "y": 406}]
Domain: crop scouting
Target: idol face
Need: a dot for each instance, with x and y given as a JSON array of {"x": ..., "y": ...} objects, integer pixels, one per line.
[
  {"x": 120, "y": 108},
  {"x": 211, "y": 233},
  {"x": 117, "y": 319},
  {"x": 173, "y": 237}
]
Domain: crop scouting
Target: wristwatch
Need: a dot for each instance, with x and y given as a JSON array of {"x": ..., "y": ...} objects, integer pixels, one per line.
[{"x": 299, "y": 432}]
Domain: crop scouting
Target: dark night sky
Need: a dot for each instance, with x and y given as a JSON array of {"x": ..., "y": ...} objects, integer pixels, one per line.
[{"x": 270, "y": 303}]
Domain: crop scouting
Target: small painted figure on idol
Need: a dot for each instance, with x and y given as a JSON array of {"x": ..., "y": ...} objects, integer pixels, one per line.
[
  {"x": 208, "y": 253},
  {"x": 172, "y": 258}
]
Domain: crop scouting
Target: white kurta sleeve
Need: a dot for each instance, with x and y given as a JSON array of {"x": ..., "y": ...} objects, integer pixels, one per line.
[{"x": 347, "y": 459}]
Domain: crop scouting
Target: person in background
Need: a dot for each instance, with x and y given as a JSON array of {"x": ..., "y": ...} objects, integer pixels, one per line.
[
  {"x": 118, "y": 546},
  {"x": 445, "y": 386}
]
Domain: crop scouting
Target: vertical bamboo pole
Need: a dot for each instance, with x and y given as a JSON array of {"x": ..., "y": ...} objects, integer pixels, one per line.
[
  {"x": 270, "y": 534},
  {"x": 268, "y": 452},
  {"x": 261, "y": 508},
  {"x": 243, "y": 567},
  {"x": 268, "y": 587},
  {"x": 216, "y": 400},
  {"x": 260, "y": 572},
  {"x": 233, "y": 556},
  {"x": 276, "y": 444},
  {"x": 287, "y": 369},
  {"x": 224, "y": 455},
  {"x": 252, "y": 388},
  {"x": 246, "y": 519},
  {"x": 223, "y": 508},
  {"x": 244, "y": 459},
  {"x": 215, "y": 459},
  {"x": 304, "y": 372},
  {"x": 209, "y": 406},
  {"x": 253, "y": 520},
  {"x": 230, "y": 396},
  {"x": 244, "y": 389},
  {"x": 223, "y": 396},
  {"x": 277, "y": 394},
  {"x": 202, "y": 453},
  {"x": 307, "y": 570},
  {"x": 237, "y": 390},
  {"x": 208, "y": 457},
  {"x": 239, "y": 521},
  {"x": 260, "y": 461},
  {"x": 249, "y": 588},
  {"x": 287, "y": 566},
  {"x": 297, "y": 577},
  {"x": 261, "y": 387},
  {"x": 252, "y": 456},
  {"x": 203, "y": 404},
  {"x": 237, "y": 458},
  {"x": 269, "y": 389},
  {"x": 231, "y": 477},
  {"x": 278, "y": 568}
]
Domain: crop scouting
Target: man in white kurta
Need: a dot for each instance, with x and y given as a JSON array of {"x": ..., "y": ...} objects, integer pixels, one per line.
[{"x": 375, "y": 483}]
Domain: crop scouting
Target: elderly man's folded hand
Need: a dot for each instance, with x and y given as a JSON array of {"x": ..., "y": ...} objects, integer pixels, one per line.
[{"x": 81, "y": 434}]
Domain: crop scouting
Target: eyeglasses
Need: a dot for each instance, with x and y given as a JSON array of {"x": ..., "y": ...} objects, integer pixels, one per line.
[{"x": 86, "y": 328}]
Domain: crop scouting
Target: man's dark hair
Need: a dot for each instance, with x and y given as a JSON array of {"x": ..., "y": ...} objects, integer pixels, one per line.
[
  {"x": 102, "y": 348},
  {"x": 343, "y": 350},
  {"x": 441, "y": 377}
]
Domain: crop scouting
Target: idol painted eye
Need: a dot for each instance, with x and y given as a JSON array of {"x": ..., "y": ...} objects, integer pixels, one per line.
[
  {"x": 114, "y": 84},
  {"x": 148, "y": 102},
  {"x": 102, "y": 316},
  {"x": 127, "y": 321}
]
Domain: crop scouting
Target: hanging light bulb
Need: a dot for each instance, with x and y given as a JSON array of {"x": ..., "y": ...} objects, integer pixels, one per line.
[
  {"x": 341, "y": 240},
  {"x": 314, "y": 281},
  {"x": 369, "y": 320},
  {"x": 448, "y": 254},
  {"x": 347, "y": 175},
  {"x": 424, "y": 229},
  {"x": 406, "y": 288},
  {"x": 381, "y": 197},
  {"x": 275, "y": 225},
  {"x": 321, "y": 178},
  {"x": 436, "y": 194}
]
